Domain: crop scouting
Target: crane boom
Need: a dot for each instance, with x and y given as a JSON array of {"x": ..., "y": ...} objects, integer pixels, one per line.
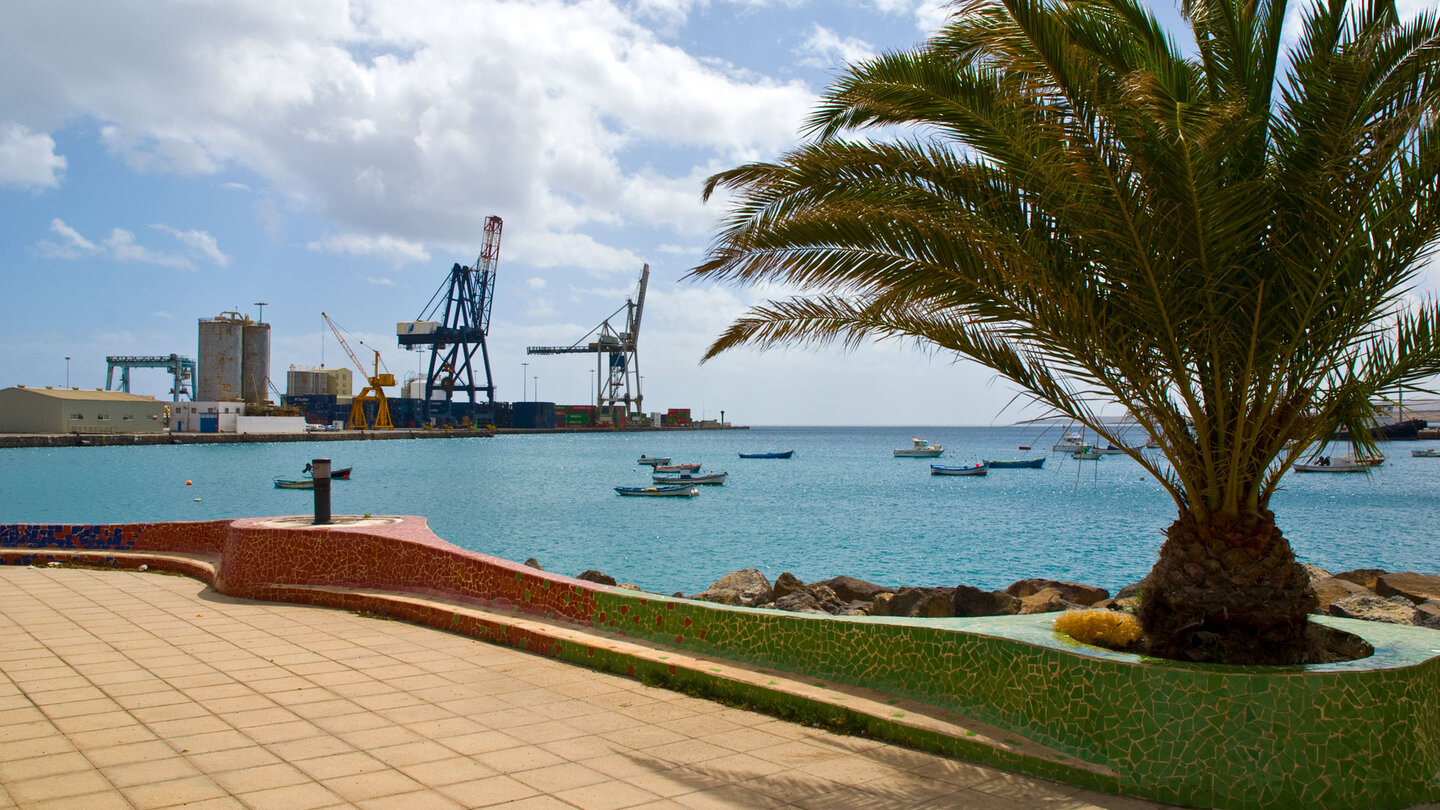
[{"x": 375, "y": 382}]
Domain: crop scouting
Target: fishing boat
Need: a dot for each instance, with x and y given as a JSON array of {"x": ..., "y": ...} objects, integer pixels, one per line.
[
  {"x": 677, "y": 468},
  {"x": 294, "y": 483},
  {"x": 1022, "y": 464},
  {"x": 1110, "y": 450},
  {"x": 691, "y": 478},
  {"x": 920, "y": 449},
  {"x": 1428, "y": 452},
  {"x": 786, "y": 454},
  {"x": 1069, "y": 443},
  {"x": 1086, "y": 453},
  {"x": 652, "y": 462},
  {"x": 1332, "y": 465},
  {"x": 973, "y": 469},
  {"x": 678, "y": 490}
]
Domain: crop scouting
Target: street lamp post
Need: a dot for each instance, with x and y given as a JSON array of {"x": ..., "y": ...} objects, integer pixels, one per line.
[
  {"x": 535, "y": 391},
  {"x": 67, "y": 371},
  {"x": 261, "y": 305},
  {"x": 524, "y": 370},
  {"x": 595, "y": 392}
]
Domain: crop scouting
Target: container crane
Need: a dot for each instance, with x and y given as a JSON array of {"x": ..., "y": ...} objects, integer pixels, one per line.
[
  {"x": 454, "y": 326},
  {"x": 617, "y": 353},
  {"x": 375, "y": 382}
]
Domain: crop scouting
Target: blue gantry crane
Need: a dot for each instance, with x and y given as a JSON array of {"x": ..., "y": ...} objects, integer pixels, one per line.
[
  {"x": 182, "y": 370},
  {"x": 617, "y": 354},
  {"x": 453, "y": 326}
]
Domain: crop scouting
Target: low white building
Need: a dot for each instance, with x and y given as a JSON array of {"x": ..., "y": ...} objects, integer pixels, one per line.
[{"x": 72, "y": 410}]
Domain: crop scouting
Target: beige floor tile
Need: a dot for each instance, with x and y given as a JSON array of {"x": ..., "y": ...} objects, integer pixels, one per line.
[
  {"x": 419, "y": 800},
  {"x": 309, "y": 796},
  {"x": 607, "y": 796},
  {"x": 263, "y": 777},
  {"x": 170, "y": 794},
  {"x": 489, "y": 792},
  {"x": 337, "y": 765},
  {"x": 149, "y": 771},
  {"x": 441, "y": 772},
  {"x": 375, "y": 784}
]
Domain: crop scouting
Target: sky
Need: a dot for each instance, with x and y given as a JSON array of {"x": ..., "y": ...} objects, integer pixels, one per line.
[{"x": 163, "y": 161}]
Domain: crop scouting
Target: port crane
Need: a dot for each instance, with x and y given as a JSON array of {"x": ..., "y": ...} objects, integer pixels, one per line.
[
  {"x": 454, "y": 326},
  {"x": 617, "y": 355},
  {"x": 182, "y": 370},
  {"x": 374, "y": 382}
]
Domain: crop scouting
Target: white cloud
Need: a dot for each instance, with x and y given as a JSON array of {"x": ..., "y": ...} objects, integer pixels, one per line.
[
  {"x": 28, "y": 159},
  {"x": 826, "y": 49},
  {"x": 381, "y": 282},
  {"x": 121, "y": 246},
  {"x": 197, "y": 242},
  {"x": 388, "y": 248},
  {"x": 74, "y": 245},
  {"x": 535, "y": 283}
]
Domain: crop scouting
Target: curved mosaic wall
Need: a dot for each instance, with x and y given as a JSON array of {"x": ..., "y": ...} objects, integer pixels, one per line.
[{"x": 1358, "y": 734}]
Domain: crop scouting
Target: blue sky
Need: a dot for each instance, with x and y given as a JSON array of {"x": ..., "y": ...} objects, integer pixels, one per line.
[{"x": 163, "y": 161}]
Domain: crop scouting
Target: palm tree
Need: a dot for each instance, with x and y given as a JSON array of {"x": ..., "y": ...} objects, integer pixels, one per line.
[{"x": 1058, "y": 192}]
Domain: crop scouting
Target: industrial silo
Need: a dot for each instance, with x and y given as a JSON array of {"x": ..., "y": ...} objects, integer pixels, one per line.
[
  {"x": 255, "y": 368},
  {"x": 222, "y": 342}
]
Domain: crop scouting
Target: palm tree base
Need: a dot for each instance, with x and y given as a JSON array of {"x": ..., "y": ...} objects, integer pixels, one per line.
[{"x": 1229, "y": 592}]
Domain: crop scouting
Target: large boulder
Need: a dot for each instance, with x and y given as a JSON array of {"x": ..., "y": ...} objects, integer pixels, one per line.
[
  {"x": 1427, "y": 614},
  {"x": 1134, "y": 589},
  {"x": 1362, "y": 576},
  {"x": 595, "y": 576},
  {"x": 1329, "y": 591},
  {"x": 1316, "y": 573},
  {"x": 1048, "y": 600},
  {"x": 968, "y": 601},
  {"x": 786, "y": 584},
  {"x": 930, "y": 603},
  {"x": 1074, "y": 592},
  {"x": 850, "y": 589},
  {"x": 1395, "y": 610},
  {"x": 798, "y": 602},
  {"x": 1415, "y": 587},
  {"x": 746, "y": 588}
]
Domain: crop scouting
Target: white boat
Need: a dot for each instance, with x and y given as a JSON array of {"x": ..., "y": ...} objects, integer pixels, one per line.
[
  {"x": 690, "y": 478},
  {"x": 920, "y": 449},
  {"x": 1332, "y": 465},
  {"x": 1110, "y": 450},
  {"x": 1429, "y": 452},
  {"x": 1086, "y": 453},
  {"x": 973, "y": 469},
  {"x": 653, "y": 462},
  {"x": 1069, "y": 443}
]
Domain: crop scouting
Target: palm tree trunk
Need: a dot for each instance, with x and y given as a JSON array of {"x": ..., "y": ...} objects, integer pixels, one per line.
[{"x": 1227, "y": 591}]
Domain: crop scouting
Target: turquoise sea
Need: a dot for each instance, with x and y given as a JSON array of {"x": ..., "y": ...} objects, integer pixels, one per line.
[{"x": 843, "y": 505}]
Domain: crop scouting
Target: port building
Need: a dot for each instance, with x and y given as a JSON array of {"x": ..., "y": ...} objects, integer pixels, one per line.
[{"x": 72, "y": 410}]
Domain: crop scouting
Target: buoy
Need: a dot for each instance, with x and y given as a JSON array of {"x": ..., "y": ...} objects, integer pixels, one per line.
[{"x": 187, "y": 483}]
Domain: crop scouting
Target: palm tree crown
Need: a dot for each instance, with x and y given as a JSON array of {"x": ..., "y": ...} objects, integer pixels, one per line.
[{"x": 1100, "y": 218}]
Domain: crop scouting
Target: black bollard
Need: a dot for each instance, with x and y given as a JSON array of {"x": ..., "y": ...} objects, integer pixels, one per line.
[{"x": 320, "y": 471}]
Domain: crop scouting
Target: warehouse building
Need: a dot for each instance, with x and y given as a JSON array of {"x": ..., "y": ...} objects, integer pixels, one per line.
[{"x": 71, "y": 410}]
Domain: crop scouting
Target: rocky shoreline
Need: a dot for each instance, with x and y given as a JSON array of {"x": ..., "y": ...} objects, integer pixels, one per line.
[{"x": 1370, "y": 594}]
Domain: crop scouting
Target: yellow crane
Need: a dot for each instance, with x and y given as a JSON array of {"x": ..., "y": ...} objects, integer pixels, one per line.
[{"x": 375, "y": 382}]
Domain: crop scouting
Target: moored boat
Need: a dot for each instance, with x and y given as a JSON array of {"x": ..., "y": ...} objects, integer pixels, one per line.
[
  {"x": 1086, "y": 452},
  {"x": 1026, "y": 464},
  {"x": 653, "y": 462},
  {"x": 294, "y": 483},
  {"x": 342, "y": 474},
  {"x": 1069, "y": 443},
  {"x": 677, "y": 468},
  {"x": 1428, "y": 452},
  {"x": 973, "y": 469},
  {"x": 920, "y": 449},
  {"x": 786, "y": 454},
  {"x": 678, "y": 490},
  {"x": 1332, "y": 465},
  {"x": 690, "y": 478}
]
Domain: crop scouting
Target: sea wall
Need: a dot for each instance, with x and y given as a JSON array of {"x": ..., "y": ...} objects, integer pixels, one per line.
[{"x": 1360, "y": 733}]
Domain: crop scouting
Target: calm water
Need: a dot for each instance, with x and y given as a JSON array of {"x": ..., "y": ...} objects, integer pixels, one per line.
[{"x": 843, "y": 505}]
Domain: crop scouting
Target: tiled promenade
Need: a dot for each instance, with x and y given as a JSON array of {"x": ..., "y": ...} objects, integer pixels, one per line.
[{"x": 122, "y": 689}]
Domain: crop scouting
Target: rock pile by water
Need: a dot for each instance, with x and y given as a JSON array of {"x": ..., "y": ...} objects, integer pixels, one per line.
[{"x": 1370, "y": 594}]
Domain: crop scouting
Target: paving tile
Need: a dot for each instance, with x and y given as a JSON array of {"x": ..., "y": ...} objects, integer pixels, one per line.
[
  {"x": 375, "y": 784},
  {"x": 169, "y": 794},
  {"x": 308, "y": 796},
  {"x": 147, "y": 771},
  {"x": 489, "y": 792}
]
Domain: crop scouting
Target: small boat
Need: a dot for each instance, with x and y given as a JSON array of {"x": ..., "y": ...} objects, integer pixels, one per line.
[
  {"x": 786, "y": 454},
  {"x": 678, "y": 490},
  {"x": 973, "y": 469},
  {"x": 342, "y": 474},
  {"x": 1110, "y": 450},
  {"x": 690, "y": 478},
  {"x": 1332, "y": 465},
  {"x": 653, "y": 462},
  {"x": 1025, "y": 464},
  {"x": 294, "y": 483},
  {"x": 1069, "y": 443},
  {"x": 1086, "y": 453},
  {"x": 920, "y": 449},
  {"x": 677, "y": 468},
  {"x": 1429, "y": 452}
]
